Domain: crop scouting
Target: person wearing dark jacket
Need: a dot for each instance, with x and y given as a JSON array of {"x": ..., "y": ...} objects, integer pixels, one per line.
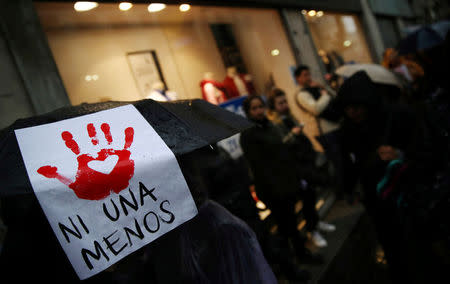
[
  {"x": 429, "y": 204},
  {"x": 276, "y": 177},
  {"x": 374, "y": 134},
  {"x": 305, "y": 158},
  {"x": 228, "y": 183},
  {"x": 292, "y": 132},
  {"x": 214, "y": 247},
  {"x": 384, "y": 149}
]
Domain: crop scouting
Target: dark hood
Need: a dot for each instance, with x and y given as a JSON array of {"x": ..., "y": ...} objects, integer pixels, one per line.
[{"x": 359, "y": 89}]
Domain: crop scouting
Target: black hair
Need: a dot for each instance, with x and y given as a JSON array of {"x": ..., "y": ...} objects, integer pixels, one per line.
[
  {"x": 298, "y": 71},
  {"x": 275, "y": 93},
  {"x": 248, "y": 101}
]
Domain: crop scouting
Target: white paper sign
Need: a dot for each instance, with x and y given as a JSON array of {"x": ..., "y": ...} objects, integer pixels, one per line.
[{"x": 107, "y": 183}]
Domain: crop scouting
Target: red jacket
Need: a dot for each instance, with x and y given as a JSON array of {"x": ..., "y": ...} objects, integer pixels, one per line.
[
  {"x": 232, "y": 90},
  {"x": 216, "y": 84}
]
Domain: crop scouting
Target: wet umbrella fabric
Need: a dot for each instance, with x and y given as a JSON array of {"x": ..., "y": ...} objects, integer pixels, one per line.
[{"x": 376, "y": 72}]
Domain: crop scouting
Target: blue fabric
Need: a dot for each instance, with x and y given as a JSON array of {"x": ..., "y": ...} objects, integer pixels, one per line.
[
  {"x": 220, "y": 248},
  {"x": 382, "y": 184}
]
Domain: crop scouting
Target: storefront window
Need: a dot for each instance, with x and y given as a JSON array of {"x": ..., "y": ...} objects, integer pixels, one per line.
[
  {"x": 119, "y": 53},
  {"x": 339, "y": 38}
]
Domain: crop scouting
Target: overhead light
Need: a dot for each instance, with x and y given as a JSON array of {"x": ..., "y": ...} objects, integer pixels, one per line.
[
  {"x": 125, "y": 6},
  {"x": 185, "y": 7},
  {"x": 312, "y": 13},
  {"x": 319, "y": 14},
  {"x": 94, "y": 77},
  {"x": 347, "y": 43},
  {"x": 275, "y": 52},
  {"x": 304, "y": 12},
  {"x": 82, "y": 6},
  {"x": 156, "y": 7}
]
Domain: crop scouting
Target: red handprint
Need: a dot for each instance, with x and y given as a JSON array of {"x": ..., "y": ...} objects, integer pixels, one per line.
[{"x": 91, "y": 184}]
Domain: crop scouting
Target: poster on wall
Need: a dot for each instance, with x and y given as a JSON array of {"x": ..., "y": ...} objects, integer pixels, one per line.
[
  {"x": 146, "y": 70},
  {"x": 104, "y": 191}
]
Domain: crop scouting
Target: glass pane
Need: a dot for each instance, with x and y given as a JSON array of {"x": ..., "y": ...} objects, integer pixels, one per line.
[
  {"x": 338, "y": 38},
  {"x": 110, "y": 54}
]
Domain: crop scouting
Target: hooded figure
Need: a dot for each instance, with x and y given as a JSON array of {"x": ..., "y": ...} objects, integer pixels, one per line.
[
  {"x": 187, "y": 254},
  {"x": 375, "y": 133},
  {"x": 383, "y": 147}
]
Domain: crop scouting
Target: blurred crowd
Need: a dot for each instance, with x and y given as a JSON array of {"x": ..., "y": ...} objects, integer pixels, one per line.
[{"x": 385, "y": 130}]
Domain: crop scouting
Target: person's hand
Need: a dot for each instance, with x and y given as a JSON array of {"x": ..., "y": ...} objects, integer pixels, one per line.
[
  {"x": 387, "y": 153},
  {"x": 296, "y": 130}
]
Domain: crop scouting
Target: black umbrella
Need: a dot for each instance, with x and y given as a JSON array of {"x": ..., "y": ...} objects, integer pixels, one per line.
[
  {"x": 31, "y": 250},
  {"x": 423, "y": 38}
]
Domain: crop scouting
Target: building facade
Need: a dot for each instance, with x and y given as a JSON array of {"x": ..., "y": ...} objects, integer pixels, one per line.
[{"x": 53, "y": 55}]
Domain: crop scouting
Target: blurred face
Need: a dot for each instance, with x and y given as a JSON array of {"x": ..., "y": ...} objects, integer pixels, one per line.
[
  {"x": 356, "y": 113},
  {"x": 281, "y": 105},
  {"x": 257, "y": 110},
  {"x": 304, "y": 78}
]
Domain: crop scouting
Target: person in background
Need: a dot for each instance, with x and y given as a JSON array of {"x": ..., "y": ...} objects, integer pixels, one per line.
[
  {"x": 212, "y": 91},
  {"x": 299, "y": 145},
  {"x": 213, "y": 247},
  {"x": 407, "y": 68},
  {"x": 410, "y": 73},
  {"x": 160, "y": 93},
  {"x": 237, "y": 85},
  {"x": 228, "y": 183},
  {"x": 385, "y": 150},
  {"x": 313, "y": 99},
  {"x": 276, "y": 178}
]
